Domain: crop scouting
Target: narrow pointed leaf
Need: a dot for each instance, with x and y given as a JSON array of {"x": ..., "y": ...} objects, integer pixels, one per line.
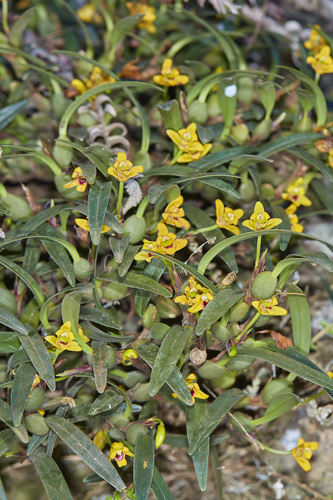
[
  {"x": 118, "y": 247},
  {"x": 159, "y": 487},
  {"x": 39, "y": 357},
  {"x": 128, "y": 258},
  {"x": 20, "y": 26},
  {"x": 25, "y": 277},
  {"x": 7, "y": 437},
  {"x": 143, "y": 466},
  {"x": 104, "y": 317},
  {"x": 23, "y": 380},
  {"x": 201, "y": 457},
  {"x": 314, "y": 161},
  {"x": 86, "y": 450},
  {"x": 105, "y": 402},
  {"x": 8, "y": 342},
  {"x": 6, "y": 417},
  {"x": 39, "y": 219},
  {"x": 100, "y": 364},
  {"x": 51, "y": 476},
  {"x": 8, "y": 319},
  {"x": 8, "y": 113},
  {"x": 34, "y": 442},
  {"x": 168, "y": 356},
  {"x": 287, "y": 142},
  {"x": 300, "y": 318},
  {"x": 212, "y": 417},
  {"x": 153, "y": 270},
  {"x": 216, "y": 308},
  {"x": 98, "y": 200},
  {"x": 280, "y": 404},
  {"x": 135, "y": 280}
]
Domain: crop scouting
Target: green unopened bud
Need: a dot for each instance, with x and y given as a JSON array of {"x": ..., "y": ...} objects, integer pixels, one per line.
[
  {"x": 114, "y": 291},
  {"x": 8, "y": 301},
  {"x": 275, "y": 387},
  {"x": 133, "y": 431},
  {"x": 266, "y": 92},
  {"x": 222, "y": 333},
  {"x": 246, "y": 90},
  {"x": 59, "y": 104},
  {"x": 240, "y": 133},
  {"x": 167, "y": 308},
  {"x": 30, "y": 314},
  {"x": 213, "y": 106},
  {"x": 36, "y": 424},
  {"x": 160, "y": 435},
  {"x": 305, "y": 125},
  {"x": 150, "y": 316},
  {"x": 63, "y": 152},
  {"x": 268, "y": 191},
  {"x": 119, "y": 420},
  {"x": 134, "y": 228},
  {"x": 112, "y": 358},
  {"x": 18, "y": 208},
  {"x": 141, "y": 393},
  {"x": 263, "y": 129},
  {"x": 225, "y": 381},
  {"x": 82, "y": 269},
  {"x": 240, "y": 362},
  {"x": 198, "y": 112},
  {"x": 35, "y": 399},
  {"x": 247, "y": 191},
  {"x": 264, "y": 286},
  {"x": 238, "y": 311},
  {"x": 210, "y": 370},
  {"x": 143, "y": 159}
]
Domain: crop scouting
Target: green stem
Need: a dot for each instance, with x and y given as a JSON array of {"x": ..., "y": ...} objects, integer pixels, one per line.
[
  {"x": 142, "y": 207},
  {"x": 5, "y": 17},
  {"x": 120, "y": 198},
  {"x": 311, "y": 398},
  {"x": 317, "y": 78},
  {"x": 169, "y": 268},
  {"x": 272, "y": 450},
  {"x": 248, "y": 326},
  {"x": 176, "y": 156},
  {"x": 258, "y": 251},
  {"x": 204, "y": 229}
]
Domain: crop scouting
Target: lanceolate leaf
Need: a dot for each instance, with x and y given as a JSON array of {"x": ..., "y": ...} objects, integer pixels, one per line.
[
  {"x": 201, "y": 457},
  {"x": 79, "y": 442},
  {"x": 216, "y": 308},
  {"x": 143, "y": 466},
  {"x": 70, "y": 310},
  {"x": 168, "y": 356},
  {"x": 7, "y": 437},
  {"x": 23, "y": 380},
  {"x": 8, "y": 342},
  {"x": 6, "y": 417},
  {"x": 25, "y": 277},
  {"x": 51, "y": 476},
  {"x": 135, "y": 280},
  {"x": 300, "y": 318},
  {"x": 98, "y": 200},
  {"x": 318, "y": 257},
  {"x": 153, "y": 270},
  {"x": 105, "y": 402},
  {"x": 8, "y": 319},
  {"x": 159, "y": 487},
  {"x": 280, "y": 404},
  {"x": 100, "y": 364},
  {"x": 8, "y": 113}
]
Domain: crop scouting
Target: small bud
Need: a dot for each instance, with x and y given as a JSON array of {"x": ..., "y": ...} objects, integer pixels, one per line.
[
  {"x": 264, "y": 286},
  {"x": 160, "y": 435},
  {"x": 134, "y": 227},
  {"x": 36, "y": 424}
]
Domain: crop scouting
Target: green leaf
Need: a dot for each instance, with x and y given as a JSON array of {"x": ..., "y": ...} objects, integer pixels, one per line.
[
  {"x": 95, "y": 333},
  {"x": 70, "y": 311},
  {"x": 205, "y": 134},
  {"x": 216, "y": 308},
  {"x": 315, "y": 162},
  {"x": 148, "y": 352},
  {"x": 51, "y": 476},
  {"x": 292, "y": 361},
  {"x": 300, "y": 318},
  {"x": 8, "y": 319},
  {"x": 39, "y": 357},
  {"x": 100, "y": 364},
  {"x": 153, "y": 270},
  {"x": 309, "y": 84},
  {"x": 106, "y": 402},
  {"x": 143, "y": 466},
  {"x": 106, "y": 317},
  {"x": 212, "y": 417},
  {"x": 98, "y": 200},
  {"x": 287, "y": 142},
  {"x": 25, "y": 277},
  {"x": 159, "y": 487},
  {"x": 118, "y": 247},
  {"x": 167, "y": 357},
  {"x": 158, "y": 331},
  {"x": 6, "y": 439},
  {"x": 201, "y": 457},
  {"x": 324, "y": 193},
  {"x": 79, "y": 442},
  {"x": 34, "y": 443},
  {"x": 155, "y": 191},
  {"x": 285, "y": 224},
  {"x": 6, "y": 417},
  {"x": 39, "y": 219},
  {"x": 22, "y": 385},
  {"x": 135, "y": 280},
  {"x": 318, "y": 257},
  {"x": 128, "y": 258},
  {"x": 278, "y": 406},
  {"x": 8, "y": 341},
  {"x": 20, "y": 26},
  {"x": 8, "y": 113}
]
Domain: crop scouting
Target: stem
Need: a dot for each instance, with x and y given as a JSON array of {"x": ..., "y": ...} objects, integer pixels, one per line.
[
  {"x": 142, "y": 207},
  {"x": 272, "y": 450},
  {"x": 248, "y": 326},
  {"x": 311, "y": 398},
  {"x": 317, "y": 78},
  {"x": 204, "y": 229},
  {"x": 5, "y": 17},
  {"x": 120, "y": 198},
  {"x": 322, "y": 333},
  {"x": 176, "y": 156},
  {"x": 258, "y": 251},
  {"x": 169, "y": 268}
]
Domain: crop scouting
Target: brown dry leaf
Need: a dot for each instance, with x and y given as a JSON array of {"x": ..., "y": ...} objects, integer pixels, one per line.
[{"x": 281, "y": 341}]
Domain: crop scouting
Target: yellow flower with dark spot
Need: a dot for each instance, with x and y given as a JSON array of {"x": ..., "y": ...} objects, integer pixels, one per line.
[
  {"x": 227, "y": 218},
  {"x": 173, "y": 214},
  {"x": 293, "y": 219},
  {"x": 269, "y": 307},
  {"x": 64, "y": 338},
  {"x": 303, "y": 453},
  {"x": 78, "y": 180},
  {"x": 84, "y": 224},
  {"x": 196, "y": 296},
  {"x": 150, "y": 246},
  {"x": 119, "y": 452},
  {"x": 170, "y": 77},
  {"x": 194, "y": 389},
  {"x": 322, "y": 61},
  {"x": 128, "y": 354},
  {"x": 260, "y": 219},
  {"x": 123, "y": 169},
  {"x": 146, "y": 23},
  {"x": 316, "y": 42},
  {"x": 88, "y": 14},
  {"x": 168, "y": 242},
  {"x": 295, "y": 193}
]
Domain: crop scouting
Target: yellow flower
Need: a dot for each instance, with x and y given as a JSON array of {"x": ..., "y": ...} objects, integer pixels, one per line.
[
  {"x": 168, "y": 242},
  {"x": 196, "y": 296},
  {"x": 119, "y": 452},
  {"x": 195, "y": 155},
  {"x": 123, "y": 169},
  {"x": 316, "y": 42},
  {"x": 194, "y": 389},
  {"x": 148, "y": 245},
  {"x": 260, "y": 219},
  {"x": 149, "y": 17},
  {"x": 173, "y": 214},
  {"x": 89, "y": 14},
  {"x": 227, "y": 218},
  {"x": 96, "y": 78},
  {"x": 186, "y": 139},
  {"x": 295, "y": 226},
  {"x": 322, "y": 61},
  {"x": 84, "y": 224},
  {"x": 269, "y": 307},
  {"x": 64, "y": 338},
  {"x": 78, "y": 180},
  {"x": 170, "y": 77},
  {"x": 303, "y": 452},
  {"x": 128, "y": 354},
  {"x": 296, "y": 193},
  {"x": 100, "y": 439},
  {"x": 330, "y": 157}
]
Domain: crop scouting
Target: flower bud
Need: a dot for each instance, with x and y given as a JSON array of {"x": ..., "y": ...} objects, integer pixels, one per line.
[
  {"x": 59, "y": 104},
  {"x": 141, "y": 393},
  {"x": 264, "y": 286},
  {"x": 36, "y": 424},
  {"x": 167, "y": 308},
  {"x": 135, "y": 430},
  {"x": 134, "y": 227},
  {"x": 274, "y": 388},
  {"x": 213, "y": 106},
  {"x": 197, "y": 112},
  {"x": 150, "y": 317},
  {"x": 86, "y": 120},
  {"x": 18, "y": 208},
  {"x": 240, "y": 363},
  {"x": 82, "y": 269},
  {"x": 222, "y": 333},
  {"x": 160, "y": 435},
  {"x": 62, "y": 152},
  {"x": 247, "y": 191},
  {"x": 35, "y": 400},
  {"x": 240, "y": 133},
  {"x": 263, "y": 129},
  {"x": 238, "y": 311},
  {"x": 112, "y": 358}
]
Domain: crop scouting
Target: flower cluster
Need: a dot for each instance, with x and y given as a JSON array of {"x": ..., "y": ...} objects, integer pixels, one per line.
[
  {"x": 170, "y": 76},
  {"x": 321, "y": 60},
  {"x": 295, "y": 193},
  {"x": 149, "y": 16},
  {"x": 196, "y": 296},
  {"x": 194, "y": 388},
  {"x": 64, "y": 338},
  {"x": 166, "y": 244},
  {"x": 186, "y": 139}
]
